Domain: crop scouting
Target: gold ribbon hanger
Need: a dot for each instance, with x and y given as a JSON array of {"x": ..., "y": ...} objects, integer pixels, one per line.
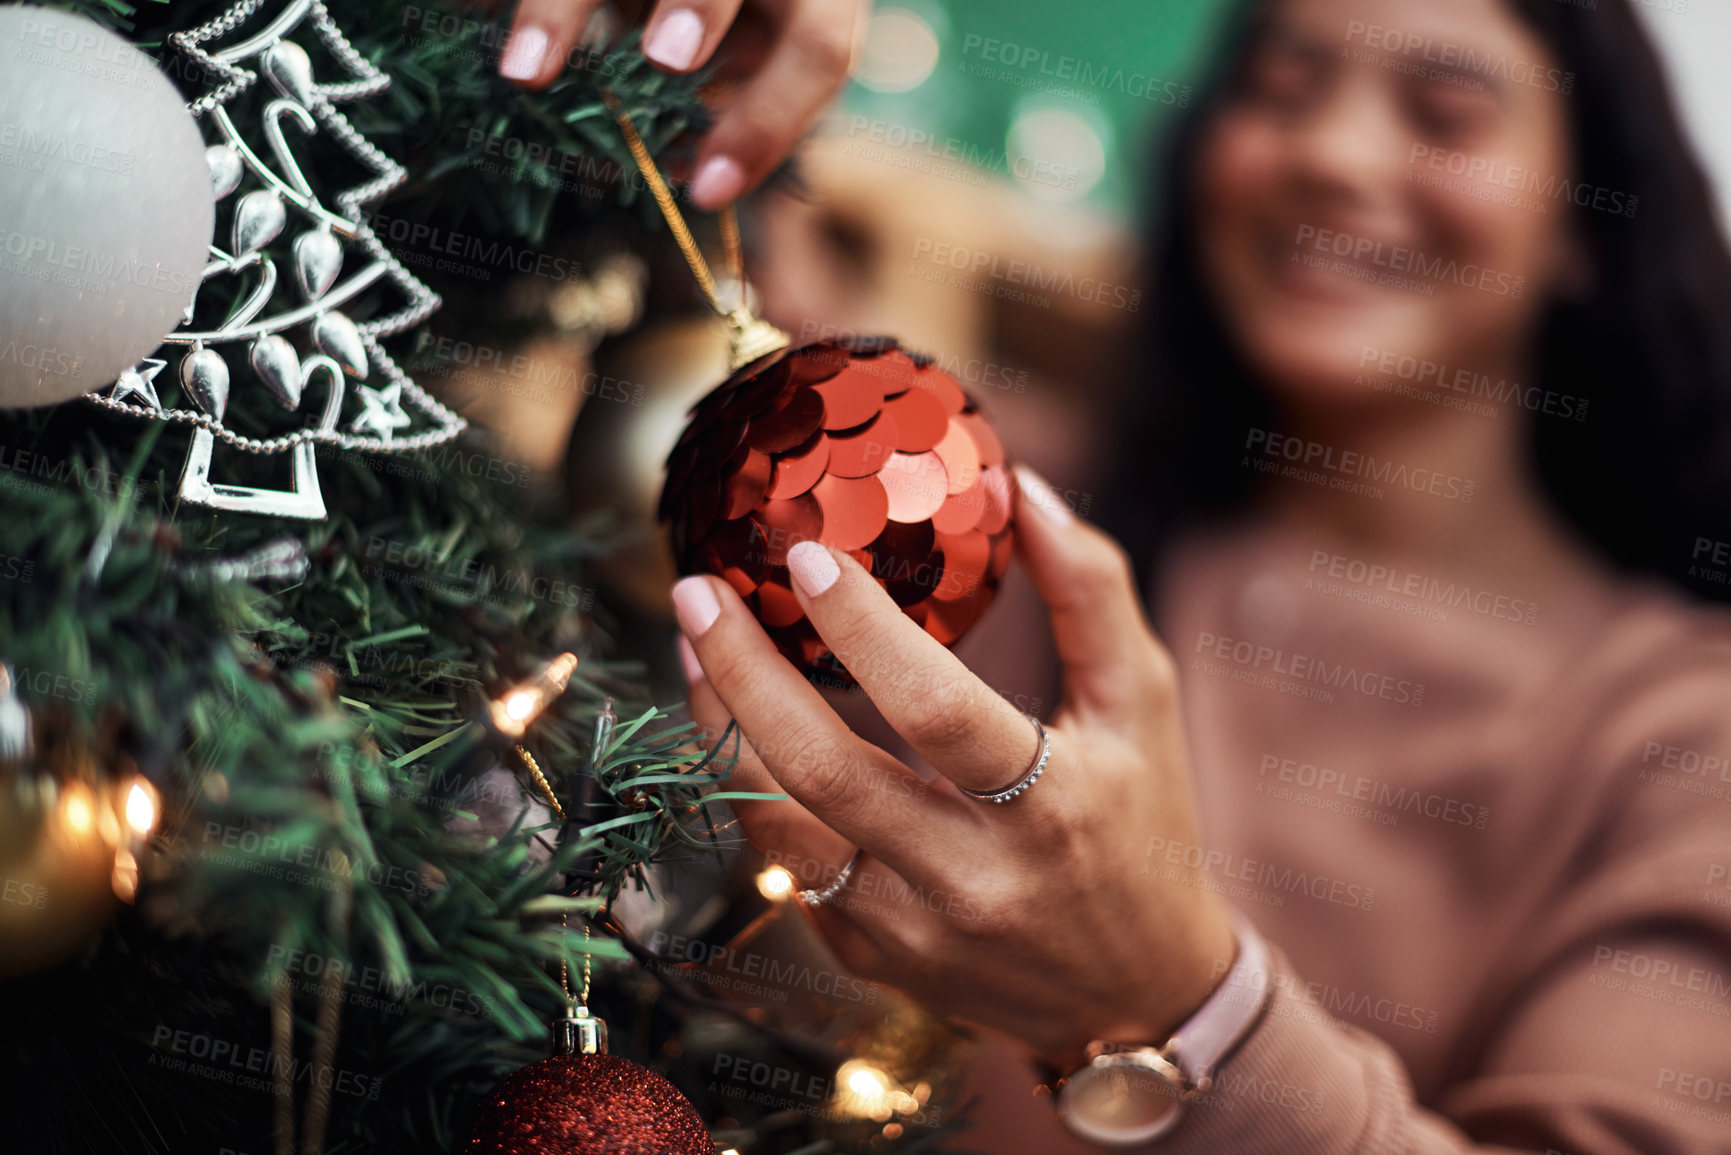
[{"x": 752, "y": 336}]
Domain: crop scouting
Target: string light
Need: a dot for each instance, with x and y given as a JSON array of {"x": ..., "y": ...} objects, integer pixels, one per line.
[
  {"x": 867, "y": 1083},
  {"x": 867, "y": 1091},
  {"x": 80, "y": 816},
  {"x": 92, "y": 819},
  {"x": 141, "y": 807},
  {"x": 124, "y": 879},
  {"x": 522, "y": 704},
  {"x": 138, "y": 804},
  {"x": 775, "y": 883},
  {"x": 117, "y": 817}
]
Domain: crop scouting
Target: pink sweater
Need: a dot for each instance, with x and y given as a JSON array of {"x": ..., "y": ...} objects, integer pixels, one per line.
[
  {"x": 1491, "y": 839},
  {"x": 1488, "y": 836}
]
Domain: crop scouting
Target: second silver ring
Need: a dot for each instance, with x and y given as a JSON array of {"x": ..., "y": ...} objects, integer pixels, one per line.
[{"x": 819, "y": 897}]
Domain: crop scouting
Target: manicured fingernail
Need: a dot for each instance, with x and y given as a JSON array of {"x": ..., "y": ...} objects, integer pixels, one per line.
[
  {"x": 719, "y": 181},
  {"x": 695, "y": 603},
  {"x": 1038, "y": 492},
  {"x": 688, "y": 660},
  {"x": 525, "y": 52},
  {"x": 812, "y": 567},
  {"x": 676, "y": 40}
]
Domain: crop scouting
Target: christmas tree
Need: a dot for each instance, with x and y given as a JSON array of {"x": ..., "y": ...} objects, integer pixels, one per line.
[{"x": 355, "y": 737}]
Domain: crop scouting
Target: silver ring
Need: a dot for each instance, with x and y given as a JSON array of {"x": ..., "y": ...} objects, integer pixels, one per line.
[
  {"x": 1032, "y": 776},
  {"x": 819, "y": 897}
]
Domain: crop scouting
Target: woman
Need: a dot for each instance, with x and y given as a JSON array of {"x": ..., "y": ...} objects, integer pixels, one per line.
[{"x": 1414, "y": 821}]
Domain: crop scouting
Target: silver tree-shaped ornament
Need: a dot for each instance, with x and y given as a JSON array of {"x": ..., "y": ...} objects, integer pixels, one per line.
[{"x": 340, "y": 348}]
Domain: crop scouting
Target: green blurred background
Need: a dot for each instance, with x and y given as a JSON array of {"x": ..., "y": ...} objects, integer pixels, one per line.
[{"x": 1083, "y": 86}]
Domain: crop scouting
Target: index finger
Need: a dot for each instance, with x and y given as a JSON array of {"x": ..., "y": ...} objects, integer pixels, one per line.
[
  {"x": 966, "y": 730},
  {"x": 782, "y": 827},
  {"x": 805, "y": 69},
  {"x": 811, "y": 752}
]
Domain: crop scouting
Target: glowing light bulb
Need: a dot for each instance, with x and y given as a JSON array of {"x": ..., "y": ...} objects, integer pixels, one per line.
[
  {"x": 125, "y": 876},
  {"x": 79, "y": 815},
  {"x": 523, "y": 703},
  {"x": 775, "y": 883},
  {"x": 141, "y": 807},
  {"x": 867, "y": 1083},
  {"x": 864, "y": 1091}
]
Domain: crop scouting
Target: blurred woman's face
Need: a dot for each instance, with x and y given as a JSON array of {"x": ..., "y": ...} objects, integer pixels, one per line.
[{"x": 1386, "y": 179}]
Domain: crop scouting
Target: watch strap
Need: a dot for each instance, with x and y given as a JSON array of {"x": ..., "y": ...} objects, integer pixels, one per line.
[
  {"x": 1191, "y": 1055},
  {"x": 1207, "y": 1038}
]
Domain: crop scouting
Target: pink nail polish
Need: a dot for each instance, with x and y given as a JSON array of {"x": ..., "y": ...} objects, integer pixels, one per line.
[
  {"x": 1038, "y": 492},
  {"x": 695, "y": 602},
  {"x": 688, "y": 661},
  {"x": 676, "y": 40},
  {"x": 813, "y": 569},
  {"x": 525, "y": 52},
  {"x": 719, "y": 181}
]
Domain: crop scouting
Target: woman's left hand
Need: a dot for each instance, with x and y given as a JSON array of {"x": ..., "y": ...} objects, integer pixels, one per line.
[
  {"x": 789, "y": 57},
  {"x": 1039, "y": 917}
]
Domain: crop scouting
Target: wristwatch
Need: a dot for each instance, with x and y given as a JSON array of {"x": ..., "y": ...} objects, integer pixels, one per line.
[{"x": 1124, "y": 1096}]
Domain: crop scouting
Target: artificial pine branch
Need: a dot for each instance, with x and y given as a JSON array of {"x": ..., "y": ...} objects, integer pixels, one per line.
[
  {"x": 447, "y": 101},
  {"x": 333, "y": 716},
  {"x": 305, "y": 738}
]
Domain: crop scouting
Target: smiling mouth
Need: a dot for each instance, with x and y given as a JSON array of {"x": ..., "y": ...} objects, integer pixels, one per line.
[
  {"x": 1323, "y": 279},
  {"x": 1308, "y": 272}
]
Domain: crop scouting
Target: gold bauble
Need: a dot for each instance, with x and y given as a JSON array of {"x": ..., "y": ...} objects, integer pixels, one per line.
[
  {"x": 57, "y": 882},
  {"x": 70, "y": 842}
]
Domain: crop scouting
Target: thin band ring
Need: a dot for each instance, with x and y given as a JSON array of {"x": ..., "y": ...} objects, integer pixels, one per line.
[
  {"x": 819, "y": 897},
  {"x": 1004, "y": 794}
]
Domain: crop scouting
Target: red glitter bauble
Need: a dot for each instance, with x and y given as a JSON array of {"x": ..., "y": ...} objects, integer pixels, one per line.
[
  {"x": 583, "y": 1104},
  {"x": 856, "y": 444}
]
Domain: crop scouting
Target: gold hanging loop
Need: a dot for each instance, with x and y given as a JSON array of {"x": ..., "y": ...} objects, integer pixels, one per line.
[
  {"x": 753, "y": 337},
  {"x": 730, "y": 244},
  {"x": 578, "y": 1032}
]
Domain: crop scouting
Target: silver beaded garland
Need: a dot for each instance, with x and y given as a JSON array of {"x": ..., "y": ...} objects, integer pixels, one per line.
[{"x": 394, "y": 413}]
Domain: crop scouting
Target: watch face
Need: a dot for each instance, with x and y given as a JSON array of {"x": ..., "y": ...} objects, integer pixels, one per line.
[{"x": 1119, "y": 1104}]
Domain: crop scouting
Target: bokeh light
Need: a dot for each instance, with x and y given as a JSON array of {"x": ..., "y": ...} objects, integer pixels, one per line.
[
  {"x": 775, "y": 883},
  {"x": 141, "y": 807},
  {"x": 1055, "y": 154},
  {"x": 900, "y": 52}
]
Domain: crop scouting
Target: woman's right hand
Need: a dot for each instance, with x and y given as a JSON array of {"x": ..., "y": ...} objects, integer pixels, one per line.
[
  {"x": 792, "y": 56},
  {"x": 1050, "y": 918}
]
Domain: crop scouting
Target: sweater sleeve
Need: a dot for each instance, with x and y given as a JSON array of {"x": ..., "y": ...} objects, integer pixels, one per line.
[
  {"x": 1585, "y": 1070},
  {"x": 1607, "y": 1027}
]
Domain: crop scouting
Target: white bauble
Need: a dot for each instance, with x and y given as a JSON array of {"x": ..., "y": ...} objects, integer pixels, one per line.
[{"x": 106, "y": 206}]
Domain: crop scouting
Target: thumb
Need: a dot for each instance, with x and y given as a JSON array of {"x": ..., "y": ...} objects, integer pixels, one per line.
[{"x": 1112, "y": 662}]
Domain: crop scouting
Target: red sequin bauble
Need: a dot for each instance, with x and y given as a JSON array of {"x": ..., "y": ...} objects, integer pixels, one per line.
[
  {"x": 582, "y": 1104},
  {"x": 863, "y": 447}
]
